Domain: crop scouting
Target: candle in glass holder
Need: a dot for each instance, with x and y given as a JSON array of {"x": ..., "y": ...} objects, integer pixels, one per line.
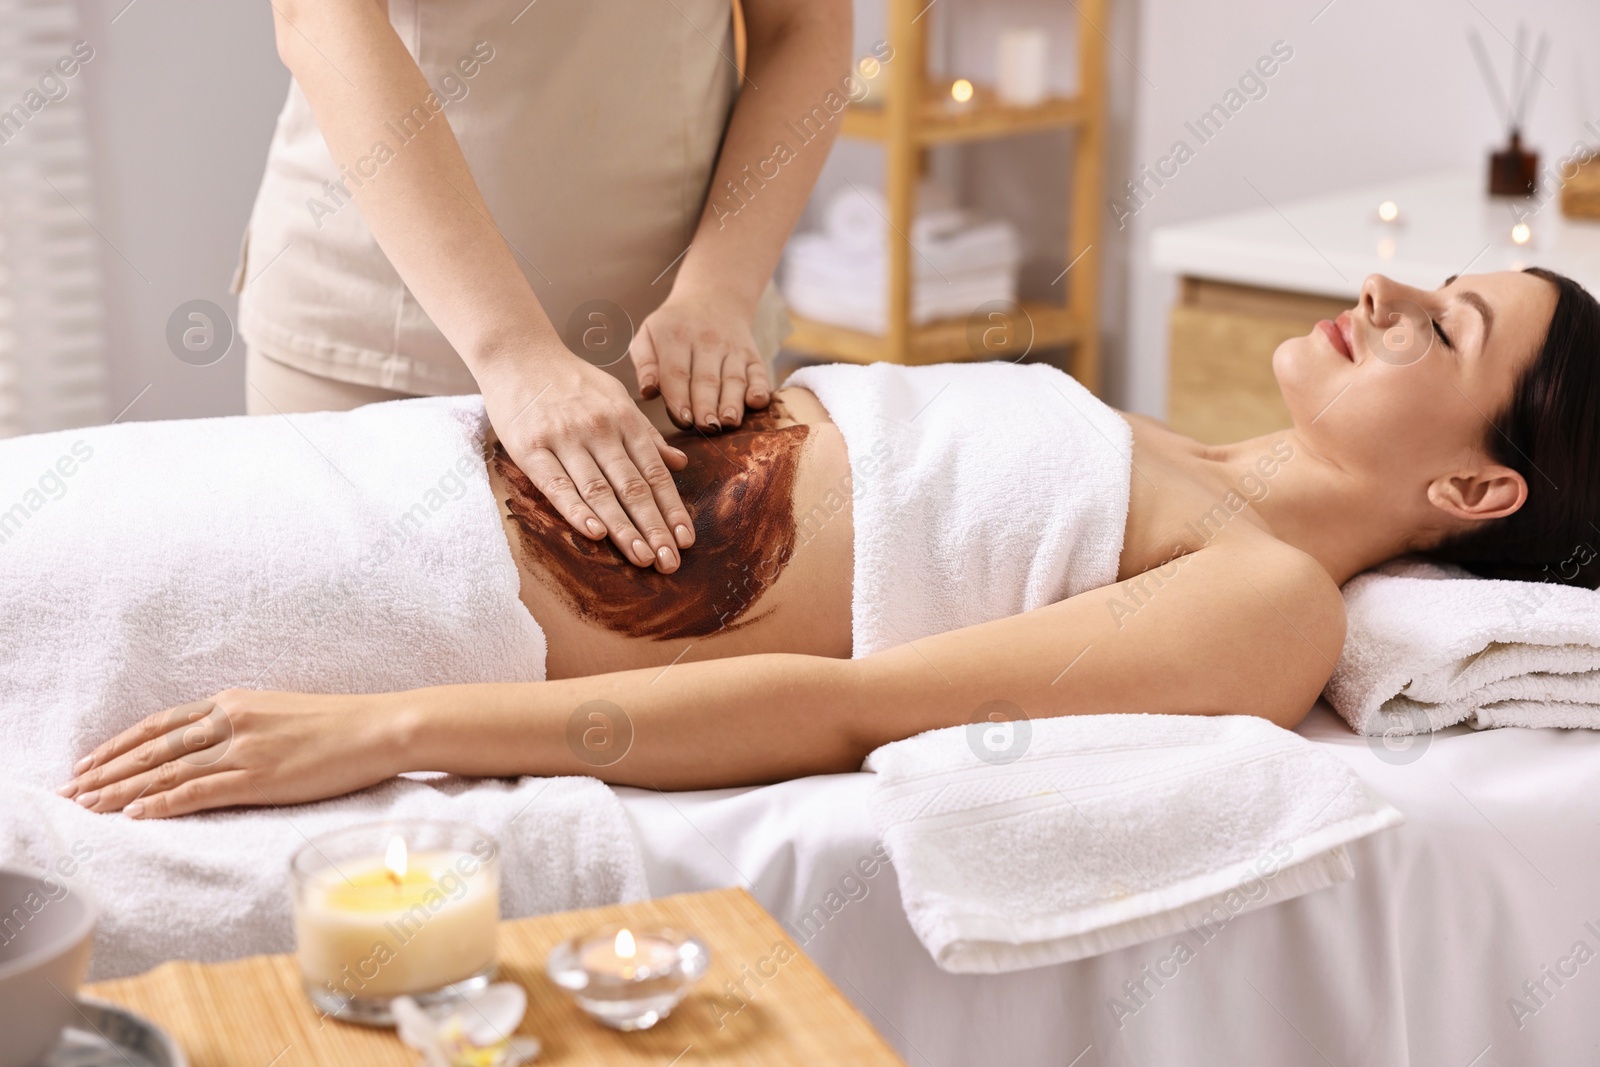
[
  {"x": 391, "y": 909},
  {"x": 628, "y": 979}
]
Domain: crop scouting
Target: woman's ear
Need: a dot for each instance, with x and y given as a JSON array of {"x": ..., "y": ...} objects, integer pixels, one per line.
[{"x": 1492, "y": 492}]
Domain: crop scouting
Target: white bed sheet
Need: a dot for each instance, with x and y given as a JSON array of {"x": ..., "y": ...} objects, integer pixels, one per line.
[{"x": 1494, "y": 877}]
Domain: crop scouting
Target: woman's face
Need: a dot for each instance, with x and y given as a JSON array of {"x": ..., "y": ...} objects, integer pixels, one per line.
[{"x": 1402, "y": 387}]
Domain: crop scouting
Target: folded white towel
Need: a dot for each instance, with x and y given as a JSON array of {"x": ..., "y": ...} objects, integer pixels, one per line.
[
  {"x": 841, "y": 275},
  {"x": 149, "y": 564},
  {"x": 1107, "y": 830},
  {"x": 857, "y": 217},
  {"x": 1428, "y": 646},
  {"x": 984, "y": 248},
  {"x": 837, "y": 300},
  {"x": 940, "y": 542}
]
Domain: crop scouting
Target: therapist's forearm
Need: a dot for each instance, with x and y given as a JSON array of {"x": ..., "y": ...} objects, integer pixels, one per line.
[
  {"x": 799, "y": 52},
  {"x": 422, "y": 206}
]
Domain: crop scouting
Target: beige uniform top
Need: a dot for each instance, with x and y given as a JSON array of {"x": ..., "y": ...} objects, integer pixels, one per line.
[{"x": 592, "y": 129}]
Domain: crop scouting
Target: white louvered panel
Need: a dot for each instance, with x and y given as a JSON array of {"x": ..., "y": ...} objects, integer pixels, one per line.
[{"x": 52, "y": 340}]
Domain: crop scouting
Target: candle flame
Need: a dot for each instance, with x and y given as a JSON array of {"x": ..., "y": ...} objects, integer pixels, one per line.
[
  {"x": 395, "y": 859},
  {"x": 624, "y": 946},
  {"x": 1388, "y": 211},
  {"x": 1521, "y": 233},
  {"x": 961, "y": 91}
]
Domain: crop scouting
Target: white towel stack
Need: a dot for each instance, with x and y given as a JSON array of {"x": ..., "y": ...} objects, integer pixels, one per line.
[
  {"x": 841, "y": 275},
  {"x": 1429, "y": 646},
  {"x": 1107, "y": 830}
]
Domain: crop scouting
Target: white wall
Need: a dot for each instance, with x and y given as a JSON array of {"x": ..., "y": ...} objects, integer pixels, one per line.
[
  {"x": 1376, "y": 89},
  {"x": 182, "y": 98}
]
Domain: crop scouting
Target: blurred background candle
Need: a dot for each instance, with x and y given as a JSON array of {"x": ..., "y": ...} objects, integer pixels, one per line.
[
  {"x": 1024, "y": 54},
  {"x": 395, "y": 908}
]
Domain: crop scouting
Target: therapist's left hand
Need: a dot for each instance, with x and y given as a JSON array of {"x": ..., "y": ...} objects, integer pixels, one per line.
[
  {"x": 240, "y": 747},
  {"x": 699, "y": 354}
]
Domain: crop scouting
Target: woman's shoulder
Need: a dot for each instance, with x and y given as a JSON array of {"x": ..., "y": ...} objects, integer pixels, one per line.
[{"x": 1288, "y": 581}]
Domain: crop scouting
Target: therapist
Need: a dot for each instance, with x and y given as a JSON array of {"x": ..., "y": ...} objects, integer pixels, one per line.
[{"x": 460, "y": 193}]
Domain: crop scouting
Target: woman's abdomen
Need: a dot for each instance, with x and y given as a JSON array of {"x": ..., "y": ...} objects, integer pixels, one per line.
[{"x": 770, "y": 569}]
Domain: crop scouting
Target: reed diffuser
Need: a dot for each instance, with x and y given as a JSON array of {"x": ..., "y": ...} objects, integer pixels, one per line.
[{"x": 1514, "y": 170}]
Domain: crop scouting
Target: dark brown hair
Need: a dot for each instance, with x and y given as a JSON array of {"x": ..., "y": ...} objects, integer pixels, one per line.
[{"x": 1550, "y": 434}]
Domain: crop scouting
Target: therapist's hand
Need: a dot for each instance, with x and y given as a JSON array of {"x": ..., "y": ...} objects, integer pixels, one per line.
[
  {"x": 699, "y": 354},
  {"x": 579, "y": 437}
]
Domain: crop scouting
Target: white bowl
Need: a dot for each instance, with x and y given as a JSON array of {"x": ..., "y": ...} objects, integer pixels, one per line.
[{"x": 46, "y": 932}]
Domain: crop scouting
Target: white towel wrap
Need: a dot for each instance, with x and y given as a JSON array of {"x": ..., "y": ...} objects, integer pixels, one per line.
[
  {"x": 981, "y": 491},
  {"x": 150, "y": 564}
]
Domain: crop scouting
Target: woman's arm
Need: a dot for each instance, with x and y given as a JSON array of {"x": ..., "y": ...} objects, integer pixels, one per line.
[
  {"x": 570, "y": 426},
  {"x": 697, "y": 347},
  {"x": 1224, "y": 631}
]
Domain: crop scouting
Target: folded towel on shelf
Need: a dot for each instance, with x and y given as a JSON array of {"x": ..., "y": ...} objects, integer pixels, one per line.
[
  {"x": 864, "y": 307},
  {"x": 978, "y": 249},
  {"x": 1107, "y": 830},
  {"x": 857, "y": 217},
  {"x": 1428, "y": 646},
  {"x": 156, "y": 563},
  {"x": 956, "y": 268}
]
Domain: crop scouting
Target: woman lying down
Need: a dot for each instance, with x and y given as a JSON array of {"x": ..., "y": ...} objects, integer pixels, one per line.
[{"x": 883, "y": 552}]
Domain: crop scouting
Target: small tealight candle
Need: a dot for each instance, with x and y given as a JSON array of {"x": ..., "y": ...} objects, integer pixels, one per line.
[
  {"x": 394, "y": 909},
  {"x": 626, "y": 978}
]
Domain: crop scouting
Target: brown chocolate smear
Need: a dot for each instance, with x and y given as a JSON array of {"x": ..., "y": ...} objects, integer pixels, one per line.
[{"x": 739, "y": 489}]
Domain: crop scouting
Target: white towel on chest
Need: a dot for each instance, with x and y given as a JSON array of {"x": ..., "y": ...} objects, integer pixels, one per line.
[
  {"x": 981, "y": 491},
  {"x": 1078, "y": 835},
  {"x": 150, "y": 564},
  {"x": 1430, "y": 646}
]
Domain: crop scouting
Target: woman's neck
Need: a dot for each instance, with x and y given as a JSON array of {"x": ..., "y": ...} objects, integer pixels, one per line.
[{"x": 1312, "y": 503}]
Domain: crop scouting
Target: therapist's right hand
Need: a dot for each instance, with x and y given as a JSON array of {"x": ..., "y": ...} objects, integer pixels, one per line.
[{"x": 584, "y": 443}]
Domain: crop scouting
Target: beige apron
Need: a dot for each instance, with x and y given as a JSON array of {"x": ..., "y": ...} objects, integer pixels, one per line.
[{"x": 592, "y": 128}]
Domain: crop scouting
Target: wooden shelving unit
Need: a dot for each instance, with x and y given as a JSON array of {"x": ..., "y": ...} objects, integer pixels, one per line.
[{"x": 918, "y": 114}]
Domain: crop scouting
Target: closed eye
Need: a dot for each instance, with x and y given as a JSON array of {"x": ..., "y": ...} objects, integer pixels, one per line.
[{"x": 1442, "y": 335}]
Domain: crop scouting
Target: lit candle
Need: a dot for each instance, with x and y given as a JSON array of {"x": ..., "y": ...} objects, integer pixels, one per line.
[
  {"x": 961, "y": 91},
  {"x": 1388, "y": 211},
  {"x": 628, "y": 979},
  {"x": 628, "y": 957},
  {"x": 1521, "y": 233},
  {"x": 413, "y": 921}
]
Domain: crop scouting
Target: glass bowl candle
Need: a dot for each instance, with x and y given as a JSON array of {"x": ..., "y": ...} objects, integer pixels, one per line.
[
  {"x": 628, "y": 979},
  {"x": 395, "y": 908}
]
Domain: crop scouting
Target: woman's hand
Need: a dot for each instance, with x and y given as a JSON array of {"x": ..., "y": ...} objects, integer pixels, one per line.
[
  {"x": 584, "y": 443},
  {"x": 699, "y": 354},
  {"x": 241, "y": 747}
]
